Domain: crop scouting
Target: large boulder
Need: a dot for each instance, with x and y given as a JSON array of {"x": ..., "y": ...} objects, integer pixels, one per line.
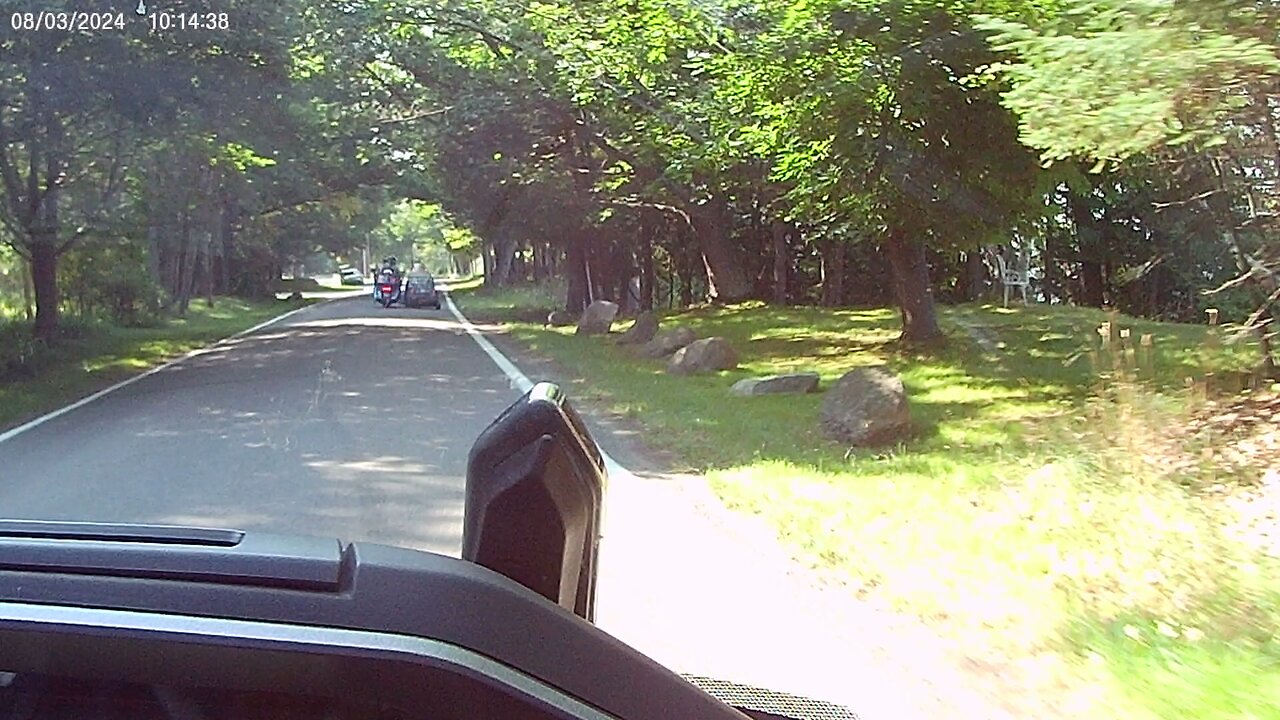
[
  {"x": 866, "y": 406},
  {"x": 667, "y": 342},
  {"x": 598, "y": 318},
  {"x": 794, "y": 383},
  {"x": 642, "y": 331},
  {"x": 706, "y": 355}
]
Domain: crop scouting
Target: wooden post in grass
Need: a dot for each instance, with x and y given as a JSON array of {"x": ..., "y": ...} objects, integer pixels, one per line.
[
  {"x": 1127, "y": 351},
  {"x": 1113, "y": 323},
  {"x": 1210, "y": 343},
  {"x": 1147, "y": 360},
  {"x": 1107, "y": 334}
]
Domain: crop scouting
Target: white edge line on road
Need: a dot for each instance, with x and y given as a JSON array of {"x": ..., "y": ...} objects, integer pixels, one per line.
[
  {"x": 10, "y": 434},
  {"x": 518, "y": 378}
]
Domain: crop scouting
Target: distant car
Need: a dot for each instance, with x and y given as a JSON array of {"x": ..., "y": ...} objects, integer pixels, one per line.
[
  {"x": 351, "y": 276},
  {"x": 420, "y": 291}
]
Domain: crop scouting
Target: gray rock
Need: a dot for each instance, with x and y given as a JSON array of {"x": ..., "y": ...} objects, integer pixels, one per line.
[
  {"x": 598, "y": 318},
  {"x": 645, "y": 327},
  {"x": 667, "y": 342},
  {"x": 794, "y": 383},
  {"x": 706, "y": 355},
  {"x": 866, "y": 406},
  {"x": 559, "y": 318}
]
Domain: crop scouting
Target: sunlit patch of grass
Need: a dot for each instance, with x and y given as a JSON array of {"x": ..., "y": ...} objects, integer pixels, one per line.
[
  {"x": 527, "y": 303},
  {"x": 1163, "y": 668},
  {"x": 465, "y": 284}
]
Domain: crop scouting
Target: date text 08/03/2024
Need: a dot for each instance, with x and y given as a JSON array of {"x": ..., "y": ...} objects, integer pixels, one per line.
[{"x": 73, "y": 21}]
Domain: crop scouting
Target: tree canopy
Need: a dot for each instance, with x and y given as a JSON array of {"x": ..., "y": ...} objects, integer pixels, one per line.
[{"x": 830, "y": 151}]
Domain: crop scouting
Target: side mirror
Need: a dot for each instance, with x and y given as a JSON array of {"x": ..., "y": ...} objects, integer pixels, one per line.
[{"x": 535, "y": 486}]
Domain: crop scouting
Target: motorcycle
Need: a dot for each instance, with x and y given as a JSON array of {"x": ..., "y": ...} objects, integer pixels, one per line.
[{"x": 386, "y": 291}]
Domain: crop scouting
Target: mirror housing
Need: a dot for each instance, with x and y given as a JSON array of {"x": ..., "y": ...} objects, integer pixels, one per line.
[{"x": 534, "y": 493}]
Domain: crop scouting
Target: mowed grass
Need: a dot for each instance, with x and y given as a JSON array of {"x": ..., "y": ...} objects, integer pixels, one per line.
[
  {"x": 95, "y": 356},
  {"x": 463, "y": 284},
  {"x": 1021, "y": 518}
]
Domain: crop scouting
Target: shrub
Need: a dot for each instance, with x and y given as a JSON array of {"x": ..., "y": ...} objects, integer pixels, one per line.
[
  {"x": 20, "y": 352},
  {"x": 109, "y": 278}
]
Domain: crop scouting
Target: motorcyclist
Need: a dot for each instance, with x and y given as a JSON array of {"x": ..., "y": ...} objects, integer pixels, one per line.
[{"x": 389, "y": 273}]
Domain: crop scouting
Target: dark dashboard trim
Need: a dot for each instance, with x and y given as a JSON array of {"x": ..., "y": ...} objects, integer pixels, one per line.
[{"x": 288, "y": 637}]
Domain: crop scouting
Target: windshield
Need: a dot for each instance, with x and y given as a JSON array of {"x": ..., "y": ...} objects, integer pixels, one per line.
[{"x": 955, "y": 318}]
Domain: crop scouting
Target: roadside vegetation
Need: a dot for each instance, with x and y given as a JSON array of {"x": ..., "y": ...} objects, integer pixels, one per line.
[
  {"x": 37, "y": 376},
  {"x": 1047, "y": 510}
]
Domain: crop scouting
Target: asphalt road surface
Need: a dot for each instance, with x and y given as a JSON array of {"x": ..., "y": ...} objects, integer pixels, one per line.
[{"x": 344, "y": 420}]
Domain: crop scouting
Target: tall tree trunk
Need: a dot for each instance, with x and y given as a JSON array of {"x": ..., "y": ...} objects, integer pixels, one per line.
[
  {"x": 186, "y": 266},
  {"x": 1093, "y": 287},
  {"x": 44, "y": 235},
  {"x": 620, "y": 274},
  {"x": 154, "y": 252},
  {"x": 576, "y": 295},
  {"x": 486, "y": 255},
  {"x": 1053, "y": 280},
  {"x": 912, "y": 288},
  {"x": 647, "y": 276},
  {"x": 684, "y": 270},
  {"x": 519, "y": 268},
  {"x": 1088, "y": 239},
  {"x": 228, "y": 238},
  {"x": 590, "y": 276},
  {"x": 504, "y": 255},
  {"x": 171, "y": 256},
  {"x": 1155, "y": 287},
  {"x": 975, "y": 276},
  {"x": 539, "y": 262},
  {"x": 44, "y": 281},
  {"x": 207, "y": 247},
  {"x": 726, "y": 279},
  {"x": 781, "y": 262},
  {"x": 833, "y": 272},
  {"x": 28, "y": 300}
]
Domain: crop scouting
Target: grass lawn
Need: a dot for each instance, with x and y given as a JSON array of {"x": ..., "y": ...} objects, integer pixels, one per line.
[
  {"x": 95, "y": 356},
  {"x": 1029, "y": 513},
  {"x": 464, "y": 284}
]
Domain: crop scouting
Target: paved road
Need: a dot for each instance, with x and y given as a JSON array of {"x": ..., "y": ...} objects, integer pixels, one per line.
[{"x": 344, "y": 420}]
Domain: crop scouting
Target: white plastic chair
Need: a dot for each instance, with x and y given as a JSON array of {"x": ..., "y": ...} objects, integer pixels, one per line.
[{"x": 1016, "y": 276}]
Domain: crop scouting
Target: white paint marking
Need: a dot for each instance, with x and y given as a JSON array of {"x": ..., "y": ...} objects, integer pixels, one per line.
[
  {"x": 10, "y": 434},
  {"x": 521, "y": 381}
]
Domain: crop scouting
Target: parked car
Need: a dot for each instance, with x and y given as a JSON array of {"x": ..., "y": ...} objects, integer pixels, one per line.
[
  {"x": 420, "y": 291},
  {"x": 351, "y": 276}
]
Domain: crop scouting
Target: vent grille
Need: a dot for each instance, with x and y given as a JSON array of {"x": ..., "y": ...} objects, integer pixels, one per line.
[{"x": 770, "y": 702}]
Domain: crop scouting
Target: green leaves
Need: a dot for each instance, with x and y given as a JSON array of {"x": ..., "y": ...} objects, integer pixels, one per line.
[
  {"x": 1109, "y": 79},
  {"x": 242, "y": 157}
]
